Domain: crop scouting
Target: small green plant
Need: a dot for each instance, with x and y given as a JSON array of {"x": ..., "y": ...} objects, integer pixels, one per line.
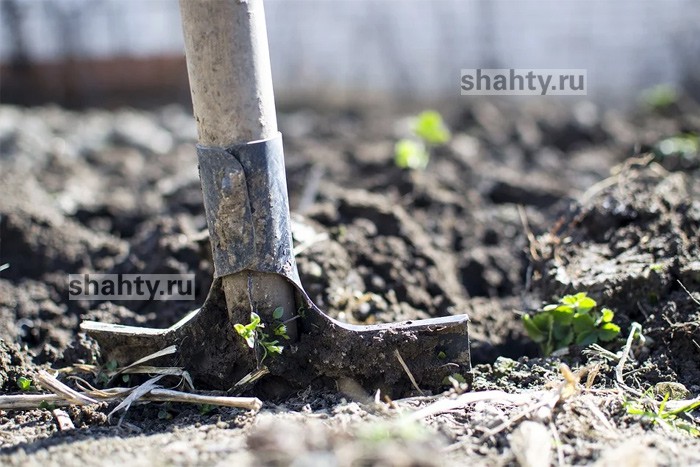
[
  {"x": 409, "y": 154},
  {"x": 164, "y": 412},
  {"x": 684, "y": 145},
  {"x": 660, "y": 97},
  {"x": 454, "y": 378},
  {"x": 646, "y": 408},
  {"x": 428, "y": 130},
  {"x": 107, "y": 371},
  {"x": 24, "y": 384},
  {"x": 253, "y": 333},
  {"x": 205, "y": 409},
  {"x": 574, "y": 319},
  {"x": 47, "y": 405}
]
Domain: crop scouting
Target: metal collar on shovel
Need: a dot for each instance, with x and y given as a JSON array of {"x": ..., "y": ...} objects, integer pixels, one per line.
[{"x": 245, "y": 198}]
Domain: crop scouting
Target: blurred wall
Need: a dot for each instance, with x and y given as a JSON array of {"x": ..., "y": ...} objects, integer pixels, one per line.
[{"x": 92, "y": 51}]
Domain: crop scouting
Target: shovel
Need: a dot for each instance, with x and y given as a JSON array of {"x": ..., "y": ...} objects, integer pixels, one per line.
[{"x": 241, "y": 166}]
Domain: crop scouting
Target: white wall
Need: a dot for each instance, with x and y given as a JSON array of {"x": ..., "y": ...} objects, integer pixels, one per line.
[{"x": 401, "y": 46}]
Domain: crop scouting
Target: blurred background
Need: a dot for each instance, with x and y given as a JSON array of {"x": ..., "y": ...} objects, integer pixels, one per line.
[{"x": 79, "y": 53}]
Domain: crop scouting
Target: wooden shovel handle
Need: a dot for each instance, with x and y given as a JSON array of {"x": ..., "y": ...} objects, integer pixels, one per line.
[{"x": 228, "y": 64}]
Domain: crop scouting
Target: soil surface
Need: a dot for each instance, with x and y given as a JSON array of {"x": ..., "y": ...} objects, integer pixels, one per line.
[{"x": 525, "y": 204}]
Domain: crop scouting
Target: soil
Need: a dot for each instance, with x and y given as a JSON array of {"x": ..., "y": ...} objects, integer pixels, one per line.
[{"x": 525, "y": 204}]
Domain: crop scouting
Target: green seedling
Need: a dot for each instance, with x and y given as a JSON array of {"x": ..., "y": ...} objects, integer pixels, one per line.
[
  {"x": 164, "y": 412},
  {"x": 47, "y": 405},
  {"x": 660, "y": 97},
  {"x": 454, "y": 378},
  {"x": 645, "y": 408},
  {"x": 253, "y": 333},
  {"x": 685, "y": 145},
  {"x": 574, "y": 319},
  {"x": 409, "y": 154},
  {"x": 24, "y": 384},
  {"x": 204, "y": 409},
  {"x": 428, "y": 130},
  {"x": 107, "y": 371}
]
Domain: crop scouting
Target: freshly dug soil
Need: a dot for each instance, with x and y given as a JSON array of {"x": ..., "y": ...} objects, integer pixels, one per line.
[{"x": 525, "y": 204}]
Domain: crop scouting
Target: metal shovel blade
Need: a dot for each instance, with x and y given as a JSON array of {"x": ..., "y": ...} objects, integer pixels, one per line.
[{"x": 250, "y": 234}]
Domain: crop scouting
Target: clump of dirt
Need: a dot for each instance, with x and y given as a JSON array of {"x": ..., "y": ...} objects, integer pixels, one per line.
[
  {"x": 634, "y": 245},
  {"x": 13, "y": 365}
]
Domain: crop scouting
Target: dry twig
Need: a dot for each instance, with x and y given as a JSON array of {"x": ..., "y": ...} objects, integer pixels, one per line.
[{"x": 408, "y": 372}]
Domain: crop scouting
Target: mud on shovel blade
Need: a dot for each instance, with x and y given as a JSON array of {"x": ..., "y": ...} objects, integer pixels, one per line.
[{"x": 246, "y": 204}]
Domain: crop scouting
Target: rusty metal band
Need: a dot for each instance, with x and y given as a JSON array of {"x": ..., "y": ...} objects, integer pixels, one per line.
[{"x": 247, "y": 208}]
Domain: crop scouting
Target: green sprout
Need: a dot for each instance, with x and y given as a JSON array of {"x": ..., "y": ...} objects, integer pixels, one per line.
[
  {"x": 253, "y": 333},
  {"x": 454, "y": 378},
  {"x": 684, "y": 145},
  {"x": 660, "y": 97},
  {"x": 164, "y": 412},
  {"x": 428, "y": 130},
  {"x": 647, "y": 409},
  {"x": 409, "y": 154},
  {"x": 24, "y": 384},
  {"x": 430, "y": 127},
  {"x": 574, "y": 319},
  {"x": 107, "y": 371},
  {"x": 47, "y": 405},
  {"x": 205, "y": 409}
]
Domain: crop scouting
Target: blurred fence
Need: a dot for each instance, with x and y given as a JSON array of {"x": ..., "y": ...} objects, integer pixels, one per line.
[{"x": 87, "y": 52}]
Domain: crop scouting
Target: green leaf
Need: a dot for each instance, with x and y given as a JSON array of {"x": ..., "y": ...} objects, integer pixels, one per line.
[
  {"x": 455, "y": 376},
  {"x": 409, "y": 154},
  {"x": 47, "y": 405},
  {"x": 24, "y": 384},
  {"x": 583, "y": 322},
  {"x": 430, "y": 127},
  {"x": 254, "y": 320},
  {"x": 277, "y": 314},
  {"x": 660, "y": 96},
  {"x": 606, "y": 316},
  {"x": 550, "y": 307},
  {"x": 281, "y": 330},
  {"x": 543, "y": 321},
  {"x": 587, "y": 338},
  {"x": 204, "y": 409},
  {"x": 608, "y": 332},
  {"x": 585, "y": 304},
  {"x": 564, "y": 336},
  {"x": 569, "y": 299},
  {"x": 272, "y": 348},
  {"x": 535, "y": 333},
  {"x": 563, "y": 314},
  {"x": 246, "y": 333}
]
